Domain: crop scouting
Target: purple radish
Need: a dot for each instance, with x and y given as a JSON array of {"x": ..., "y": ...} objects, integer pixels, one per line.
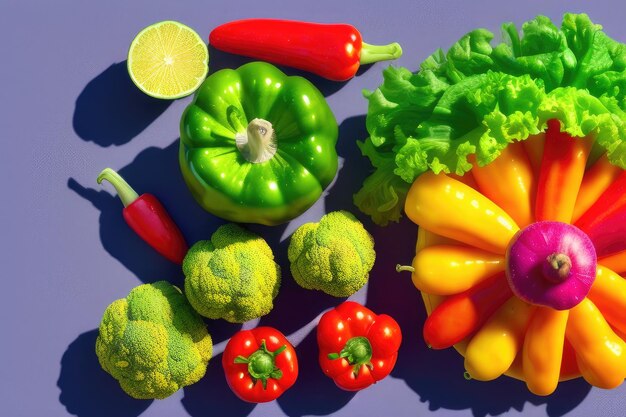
[{"x": 551, "y": 264}]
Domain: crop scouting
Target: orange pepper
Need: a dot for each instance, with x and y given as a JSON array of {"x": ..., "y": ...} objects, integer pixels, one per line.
[
  {"x": 509, "y": 182},
  {"x": 562, "y": 170},
  {"x": 543, "y": 350},
  {"x": 596, "y": 180}
]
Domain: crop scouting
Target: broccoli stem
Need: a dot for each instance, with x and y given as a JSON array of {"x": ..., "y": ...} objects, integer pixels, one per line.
[
  {"x": 262, "y": 364},
  {"x": 357, "y": 351}
]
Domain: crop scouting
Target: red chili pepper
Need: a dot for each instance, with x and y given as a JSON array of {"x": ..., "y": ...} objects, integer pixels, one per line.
[
  {"x": 148, "y": 218},
  {"x": 356, "y": 347},
  {"x": 460, "y": 315},
  {"x": 259, "y": 364},
  {"x": 333, "y": 51},
  {"x": 605, "y": 221}
]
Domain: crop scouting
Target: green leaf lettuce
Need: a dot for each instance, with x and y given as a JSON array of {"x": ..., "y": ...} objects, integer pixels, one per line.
[{"x": 477, "y": 98}]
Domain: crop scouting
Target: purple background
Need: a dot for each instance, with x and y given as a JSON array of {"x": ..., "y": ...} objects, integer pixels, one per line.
[{"x": 69, "y": 110}]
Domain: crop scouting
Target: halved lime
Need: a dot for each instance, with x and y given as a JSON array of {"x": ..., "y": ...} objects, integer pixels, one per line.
[{"x": 168, "y": 60}]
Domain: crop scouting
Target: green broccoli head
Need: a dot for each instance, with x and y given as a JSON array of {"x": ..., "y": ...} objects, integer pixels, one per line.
[
  {"x": 153, "y": 342},
  {"x": 334, "y": 255},
  {"x": 233, "y": 276}
]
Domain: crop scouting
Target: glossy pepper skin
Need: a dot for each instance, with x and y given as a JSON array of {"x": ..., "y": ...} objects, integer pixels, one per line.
[
  {"x": 357, "y": 347},
  {"x": 280, "y": 176},
  {"x": 259, "y": 364},
  {"x": 148, "y": 218},
  {"x": 332, "y": 51}
]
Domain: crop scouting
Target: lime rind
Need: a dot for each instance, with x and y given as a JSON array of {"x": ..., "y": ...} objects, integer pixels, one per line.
[{"x": 159, "y": 74}]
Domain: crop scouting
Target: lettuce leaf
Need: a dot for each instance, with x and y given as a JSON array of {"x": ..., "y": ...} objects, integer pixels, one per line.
[{"x": 476, "y": 98}]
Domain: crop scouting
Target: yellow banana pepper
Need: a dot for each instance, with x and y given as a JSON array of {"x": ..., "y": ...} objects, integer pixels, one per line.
[
  {"x": 600, "y": 353},
  {"x": 450, "y": 269},
  {"x": 608, "y": 293},
  {"x": 452, "y": 209},
  {"x": 492, "y": 350}
]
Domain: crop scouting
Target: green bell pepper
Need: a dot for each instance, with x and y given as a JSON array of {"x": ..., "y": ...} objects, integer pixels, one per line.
[{"x": 256, "y": 145}]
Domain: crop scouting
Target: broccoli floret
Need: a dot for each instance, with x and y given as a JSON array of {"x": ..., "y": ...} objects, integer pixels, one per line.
[
  {"x": 153, "y": 342},
  {"x": 334, "y": 255},
  {"x": 233, "y": 276}
]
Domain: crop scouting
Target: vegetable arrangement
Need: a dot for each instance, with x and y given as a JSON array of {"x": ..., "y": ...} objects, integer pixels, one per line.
[
  {"x": 509, "y": 158},
  {"x": 510, "y": 254}
]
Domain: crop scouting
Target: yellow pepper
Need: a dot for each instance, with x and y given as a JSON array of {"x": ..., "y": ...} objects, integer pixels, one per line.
[
  {"x": 543, "y": 350},
  {"x": 600, "y": 353},
  {"x": 608, "y": 293},
  {"x": 452, "y": 209},
  {"x": 492, "y": 350},
  {"x": 450, "y": 269}
]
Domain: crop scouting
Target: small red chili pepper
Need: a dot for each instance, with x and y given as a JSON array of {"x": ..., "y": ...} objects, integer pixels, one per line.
[
  {"x": 148, "y": 218},
  {"x": 259, "y": 364},
  {"x": 356, "y": 347},
  {"x": 333, "y": 51},
  {"x": 460, "y": 315}
]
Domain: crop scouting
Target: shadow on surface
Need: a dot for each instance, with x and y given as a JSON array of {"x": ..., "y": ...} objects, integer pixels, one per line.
[
  {"x": 221, "y": 60},
  {"x": 212, "y": 396},
  {"x": 290, "y": 313},
  {"x": 353, "y": 170},
  {"x": 314, "y": 393},
  {"x": 87, "y": 390},
  {"x": 154, "y": 170},
  {"x": 111, "y": 110}
]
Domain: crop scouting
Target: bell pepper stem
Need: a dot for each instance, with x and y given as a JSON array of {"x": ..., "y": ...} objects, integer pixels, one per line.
[
  {"x": 376, "y": 53},
  {"x": 124, "y": 190},
  {"x": 402, "y": 268},
  {"x": 258, "y": 144},
  {"x": 262, "y": 365},
  {"x": 357, "y": 351}
]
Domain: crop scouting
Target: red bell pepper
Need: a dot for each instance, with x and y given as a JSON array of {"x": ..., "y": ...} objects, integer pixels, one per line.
[
  {"x": 333, "y": 51},
  {"x": 148, "y": 218},
  {"x": 259, "y": 364},
  {"x": 605, "y": 221},
  {"x": 357, "y": 347},
  {"x": 460, "y": 315}
]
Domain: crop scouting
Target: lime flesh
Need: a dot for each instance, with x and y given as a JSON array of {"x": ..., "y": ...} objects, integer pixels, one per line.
[{"x": 168, "y": 60}]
